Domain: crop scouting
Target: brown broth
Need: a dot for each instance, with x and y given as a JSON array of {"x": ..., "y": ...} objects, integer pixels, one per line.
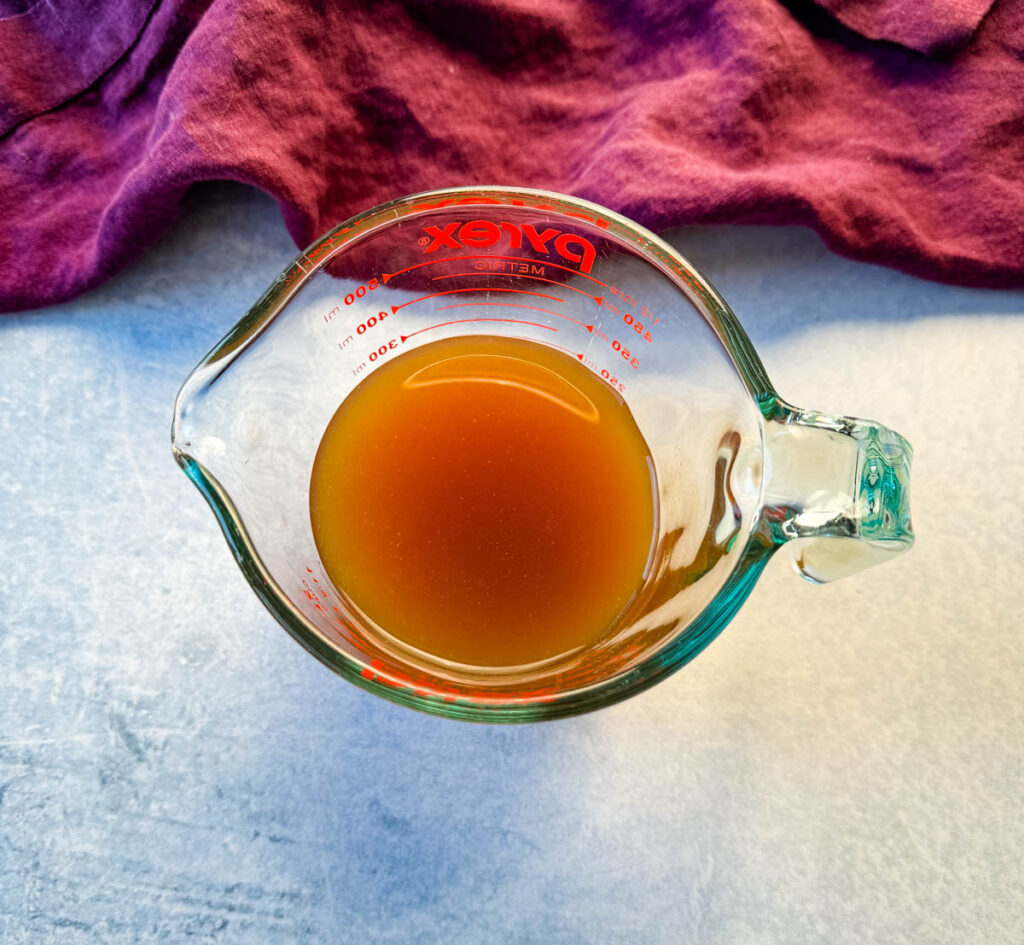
[{"x": 488, "y": 501}]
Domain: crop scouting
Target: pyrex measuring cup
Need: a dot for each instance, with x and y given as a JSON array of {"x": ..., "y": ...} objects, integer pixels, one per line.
[{"x": 740, "y": 473}]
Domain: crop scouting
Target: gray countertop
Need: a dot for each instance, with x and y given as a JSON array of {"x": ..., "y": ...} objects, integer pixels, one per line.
[{"x": 842, "y": 766}]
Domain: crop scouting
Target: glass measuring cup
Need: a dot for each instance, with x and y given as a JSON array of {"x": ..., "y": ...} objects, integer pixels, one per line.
[{"x": 740, "y": 473}]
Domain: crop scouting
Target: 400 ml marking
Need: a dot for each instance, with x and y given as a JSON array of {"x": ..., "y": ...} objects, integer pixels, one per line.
[{"x": 362, "y": 328}]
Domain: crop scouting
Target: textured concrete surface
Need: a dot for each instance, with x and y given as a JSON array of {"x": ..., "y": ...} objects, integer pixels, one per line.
[{"x": 842, "y": 766}]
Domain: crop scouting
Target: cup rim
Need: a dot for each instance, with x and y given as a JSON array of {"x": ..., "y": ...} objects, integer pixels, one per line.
[{"x": 483, "y": 707}]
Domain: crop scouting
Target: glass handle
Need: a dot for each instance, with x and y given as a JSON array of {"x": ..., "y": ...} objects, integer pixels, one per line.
[{"x": 836, "y": 492}]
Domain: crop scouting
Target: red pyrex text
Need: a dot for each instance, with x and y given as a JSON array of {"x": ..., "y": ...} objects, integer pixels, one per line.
[{"x": 480, "y": 234}]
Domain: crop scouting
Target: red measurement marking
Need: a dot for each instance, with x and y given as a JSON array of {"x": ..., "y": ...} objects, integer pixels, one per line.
[
  {"x": 395, "y": 308},
  {"x": 463, "y": 321},
  {"x": 530, "y": 308},
  {"x": 387, "y": 276},
  {"x": 485, "y": 272},
  {"x": 576, "y": 354}
]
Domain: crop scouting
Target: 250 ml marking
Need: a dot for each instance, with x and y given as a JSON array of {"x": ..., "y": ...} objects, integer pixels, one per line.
[{"x": 610, "y": 378}]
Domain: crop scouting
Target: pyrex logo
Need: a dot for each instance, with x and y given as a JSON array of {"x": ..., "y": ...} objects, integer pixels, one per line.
[{"x": 481, "y": 234}]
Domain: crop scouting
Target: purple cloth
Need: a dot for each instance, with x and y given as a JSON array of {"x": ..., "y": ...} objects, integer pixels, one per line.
[
  {"x": 893, "y": 127},
  {"x": 929, "y": 26}
]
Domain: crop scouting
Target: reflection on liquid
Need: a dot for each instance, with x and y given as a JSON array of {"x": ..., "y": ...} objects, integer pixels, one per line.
[
  {"x": 661, "y": 608},
  {"x": 723, "y": 528},
  {"x": 506, "y": 371}
]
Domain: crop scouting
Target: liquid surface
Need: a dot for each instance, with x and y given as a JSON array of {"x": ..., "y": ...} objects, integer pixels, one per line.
[{"x": 485, "y": 500}]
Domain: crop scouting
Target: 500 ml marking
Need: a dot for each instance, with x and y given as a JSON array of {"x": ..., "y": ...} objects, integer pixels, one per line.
[
  {"x": 350, "y": 299},
  {"x": 362, "y": 290}
]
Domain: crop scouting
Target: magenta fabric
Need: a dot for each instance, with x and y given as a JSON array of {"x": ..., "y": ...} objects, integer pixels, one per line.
[
  {"x": 895, "y": 128},
  {"x": 934, "y": 27}
]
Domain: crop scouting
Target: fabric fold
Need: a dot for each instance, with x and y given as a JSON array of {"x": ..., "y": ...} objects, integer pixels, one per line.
[
  {"x": 669, "y": 111},
  {"x": 50, "y": 53},
  {"x": 932, "y": 27}
]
